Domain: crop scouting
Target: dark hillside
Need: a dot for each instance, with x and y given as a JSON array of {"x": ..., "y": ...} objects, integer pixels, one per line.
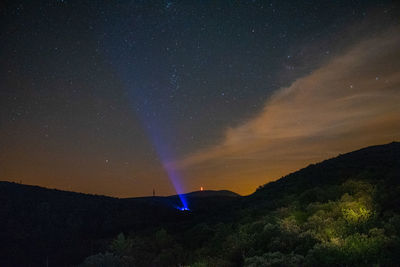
[
  {"x": 61, "y": 226},
  {"x": 53, "y": 225},
  {"x": 377, "y": 163}
]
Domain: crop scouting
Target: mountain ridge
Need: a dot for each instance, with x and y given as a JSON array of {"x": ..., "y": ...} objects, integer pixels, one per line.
[
  {"x": 370, "y": 149},
  {"x": 198, "y": 193},
  {"x": 65, "y": 227}
]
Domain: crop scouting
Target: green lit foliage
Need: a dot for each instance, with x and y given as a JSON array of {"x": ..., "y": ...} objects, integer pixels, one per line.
[
  {"x": 344, "y": 230},
  {"x": 355, "y": 249},
  {"x": 356, "y": 215}
]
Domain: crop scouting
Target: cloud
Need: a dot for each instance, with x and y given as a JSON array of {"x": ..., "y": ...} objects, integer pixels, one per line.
[{"x": 350, "y": 102}]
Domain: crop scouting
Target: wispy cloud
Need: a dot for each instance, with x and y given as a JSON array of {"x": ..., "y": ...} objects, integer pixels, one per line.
[{"x": 350, "y": 102}]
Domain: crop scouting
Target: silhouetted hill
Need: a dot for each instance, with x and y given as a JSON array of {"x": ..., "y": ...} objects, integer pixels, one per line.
[
  {"x": 342, "y": 211},
  {"x": 60, "y": 226},
  {"x": 58, "y": 221},
  {"x": 378, "y": 163},
  {"x": 374, "y": 162}
]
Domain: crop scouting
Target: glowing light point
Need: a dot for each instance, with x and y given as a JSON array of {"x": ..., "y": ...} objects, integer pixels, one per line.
[
  {"x": 201, "y": 188},
  {"x": 184, "y": 209}
]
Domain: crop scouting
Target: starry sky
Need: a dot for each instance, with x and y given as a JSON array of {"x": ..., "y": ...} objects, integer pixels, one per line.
[{"x": 120, "y": 97}]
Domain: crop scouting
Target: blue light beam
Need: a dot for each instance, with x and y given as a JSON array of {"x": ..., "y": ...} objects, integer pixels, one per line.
[{"x": 144, "y": 79}]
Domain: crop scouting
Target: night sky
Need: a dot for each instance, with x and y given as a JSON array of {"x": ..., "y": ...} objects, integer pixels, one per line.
[{"x": 120, "y": 97}]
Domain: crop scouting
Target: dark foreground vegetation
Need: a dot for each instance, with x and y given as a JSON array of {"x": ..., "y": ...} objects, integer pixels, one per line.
[{"x": 343, "y": 211}]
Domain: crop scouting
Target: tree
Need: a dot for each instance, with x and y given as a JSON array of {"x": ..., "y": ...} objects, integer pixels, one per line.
[{"x": 121, "y": 246}]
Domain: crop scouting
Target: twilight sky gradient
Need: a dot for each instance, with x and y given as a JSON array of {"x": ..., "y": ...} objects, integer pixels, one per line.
[{"x": 120, "y": 97}]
